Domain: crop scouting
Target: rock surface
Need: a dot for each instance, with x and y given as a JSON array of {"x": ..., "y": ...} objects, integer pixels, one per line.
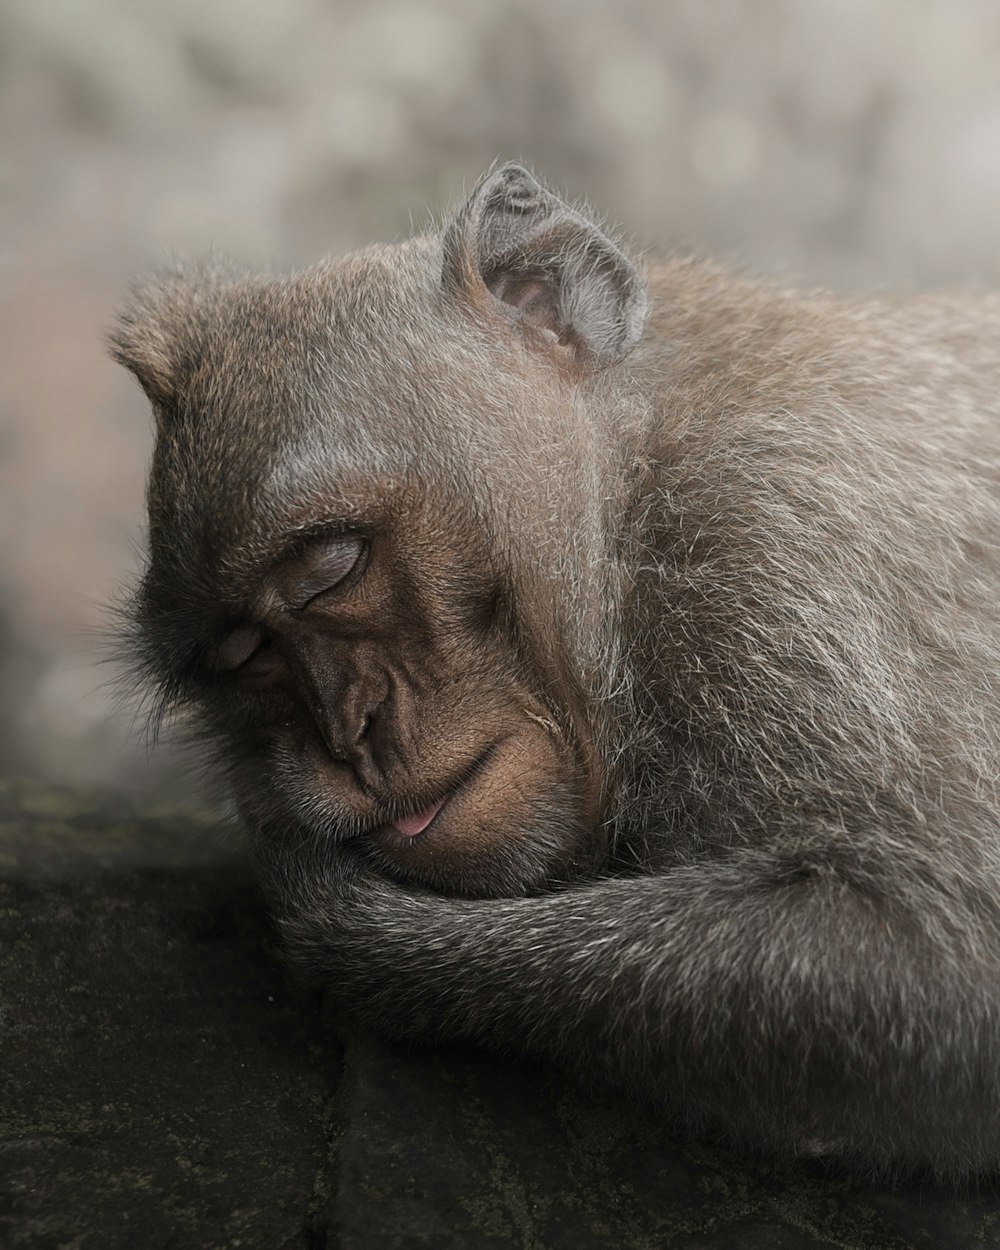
[{"x": 163, "y": 1086}]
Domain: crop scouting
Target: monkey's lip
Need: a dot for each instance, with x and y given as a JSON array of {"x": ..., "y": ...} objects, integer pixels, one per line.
[
  {"x": 410, "y": 826},
  {"x": 404, "y": 830}
]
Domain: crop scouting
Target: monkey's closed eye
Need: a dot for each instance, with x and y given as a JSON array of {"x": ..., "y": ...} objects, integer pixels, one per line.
[
  {"x": 239, "y": 647},
  {"x": 323, "y": 564}
]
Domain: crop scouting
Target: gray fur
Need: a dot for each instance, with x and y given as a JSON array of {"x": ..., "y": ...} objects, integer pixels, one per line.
[{"x": 751, "y": 567}]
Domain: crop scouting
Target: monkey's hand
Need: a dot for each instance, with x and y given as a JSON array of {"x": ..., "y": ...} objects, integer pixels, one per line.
[{"x": 333, "y": 911}]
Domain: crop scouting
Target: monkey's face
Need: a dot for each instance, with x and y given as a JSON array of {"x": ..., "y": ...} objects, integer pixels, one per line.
[
  {"x": 377, "y": 538},
  {"x": 360, "y": 585},
  {"x": 371, "y": 685}
]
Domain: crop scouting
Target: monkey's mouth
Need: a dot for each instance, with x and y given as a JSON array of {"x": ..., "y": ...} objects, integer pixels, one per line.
[
  {"x": 406, "y": 830},
  {"x": 412, "y": 826}
]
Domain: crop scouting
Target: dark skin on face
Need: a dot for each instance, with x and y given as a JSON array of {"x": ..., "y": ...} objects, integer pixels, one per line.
[
  {"x": 378, "y": 657},
  {"x": 605, "y": 670}
]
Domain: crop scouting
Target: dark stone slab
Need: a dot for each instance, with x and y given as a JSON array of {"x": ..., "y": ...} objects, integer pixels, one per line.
[
  {"x": 162, "y": 1086},
  {"x": 453, "y": 1148},
  {"x": 159, "y": 1087}
]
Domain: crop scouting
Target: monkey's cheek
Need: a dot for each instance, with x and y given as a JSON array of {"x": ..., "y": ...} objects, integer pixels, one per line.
[{"x": 519, "y": 821}]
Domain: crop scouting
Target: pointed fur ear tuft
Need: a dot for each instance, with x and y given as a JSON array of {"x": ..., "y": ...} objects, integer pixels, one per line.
[
  {"x": 516, "y": 244},
  {"x": 160, "y": 334}
]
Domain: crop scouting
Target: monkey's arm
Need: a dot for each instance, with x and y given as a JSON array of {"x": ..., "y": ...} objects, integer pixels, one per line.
[{"x": 753, "y": 993}]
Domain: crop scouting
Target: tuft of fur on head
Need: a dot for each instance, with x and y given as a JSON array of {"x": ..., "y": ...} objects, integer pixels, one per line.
[{"x": 160, "y": 334}]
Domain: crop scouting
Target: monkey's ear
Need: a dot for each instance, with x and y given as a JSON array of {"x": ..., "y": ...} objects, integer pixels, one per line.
[
  {"x": 159, "y": 335},
  {"x": 517, "y": 246}
]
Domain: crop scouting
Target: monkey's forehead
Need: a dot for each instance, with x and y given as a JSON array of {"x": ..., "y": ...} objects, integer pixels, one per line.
[
  {"x": 303, "y": 407},
  {"x": 338, "y": 367},
  {"x": 223, "y": 351},
  {"x": 195, "y": 327},
  {"x": 301, "y": 399},
  {"x": 364, "y": 360}
]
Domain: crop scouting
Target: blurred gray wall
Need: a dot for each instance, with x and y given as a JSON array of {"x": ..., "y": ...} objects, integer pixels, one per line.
[{"x": 850, "y": 143}]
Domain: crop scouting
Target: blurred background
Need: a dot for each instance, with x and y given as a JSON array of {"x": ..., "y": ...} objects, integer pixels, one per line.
[{"x": 850, "y": 143}]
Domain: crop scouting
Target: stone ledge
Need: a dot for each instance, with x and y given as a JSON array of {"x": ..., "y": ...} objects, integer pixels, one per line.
[{"x": 164, "y": 1086}]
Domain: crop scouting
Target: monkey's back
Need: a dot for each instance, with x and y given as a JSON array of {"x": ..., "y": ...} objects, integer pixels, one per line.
[{"x": 818, "y": 613}]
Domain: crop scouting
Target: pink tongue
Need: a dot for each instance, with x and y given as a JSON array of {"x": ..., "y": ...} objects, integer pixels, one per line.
[{"x": 410, "y": 826}]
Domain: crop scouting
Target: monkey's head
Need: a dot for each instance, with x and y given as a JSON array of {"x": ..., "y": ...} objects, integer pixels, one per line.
[{"x": 381, "y": 572}]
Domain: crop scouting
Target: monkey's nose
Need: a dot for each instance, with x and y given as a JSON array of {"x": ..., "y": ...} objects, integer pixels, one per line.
[
  {"x": 364, "y": 754},
  {"x": 351, "y": 735},
  {"x": 329, "y": 736},
  {"x": 340, "y": 740}
]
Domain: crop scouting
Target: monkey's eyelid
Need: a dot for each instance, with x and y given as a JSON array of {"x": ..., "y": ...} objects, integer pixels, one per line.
[
  {"x": 321, "y": 567},
  {"x": 238, "y": 647}
]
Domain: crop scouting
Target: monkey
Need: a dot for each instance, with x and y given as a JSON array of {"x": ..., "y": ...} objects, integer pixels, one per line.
[{"x": 603, "y": 654}]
